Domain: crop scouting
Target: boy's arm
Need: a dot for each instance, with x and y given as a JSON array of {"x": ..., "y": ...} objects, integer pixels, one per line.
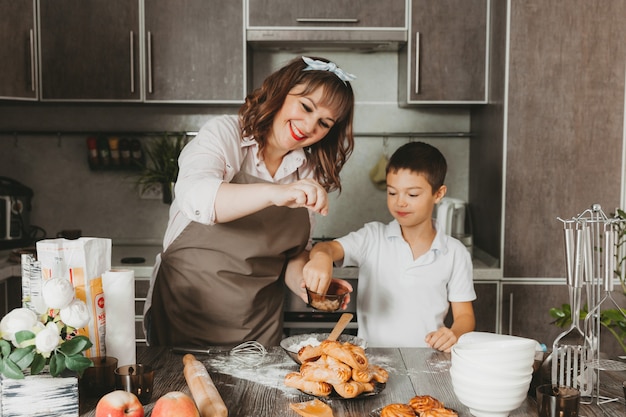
[
  {"x": 463, "y": 318},
  {"x": 318, "y": 272},
  {"x": 463, "y": 321}
]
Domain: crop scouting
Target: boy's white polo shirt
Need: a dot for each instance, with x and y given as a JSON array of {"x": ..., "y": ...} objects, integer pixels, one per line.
[{"x": 400, "y": 299}]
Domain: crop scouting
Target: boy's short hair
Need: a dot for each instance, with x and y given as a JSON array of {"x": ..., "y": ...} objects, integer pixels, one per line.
[{"x": 420, "y": 158}]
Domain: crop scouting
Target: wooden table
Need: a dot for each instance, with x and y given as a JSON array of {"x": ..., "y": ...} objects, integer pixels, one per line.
[{"x": 254, "y": 386}]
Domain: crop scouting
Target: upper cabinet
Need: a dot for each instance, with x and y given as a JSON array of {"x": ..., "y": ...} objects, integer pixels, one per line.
[
  {"x": 373, "y": 24},
  {"x": 446, "y": 56},
  {"x": 89, "y": 50},
  {"x": 18, "y": 50},
  {"x": 195, "y": 51},
  {"x": 115, "y": 50}
]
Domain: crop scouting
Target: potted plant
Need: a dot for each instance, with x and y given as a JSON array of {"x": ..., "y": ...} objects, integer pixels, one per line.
[
  {"x": 612, "y": 319},
  {"x": 161, "y": 166}
]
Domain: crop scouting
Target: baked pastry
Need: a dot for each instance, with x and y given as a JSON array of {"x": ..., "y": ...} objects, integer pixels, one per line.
[
  {"x": 309, "y": 353},
  {"x": 439, "y": 412},
  {"x": 373, "y": 372},
  {"x": 351, "y": 355},
  {"x": 319, "y": 389},
  {"x": 352, "y": 389},
  {"x": 421, "y": 403},
  {"x": 397, "y": 410},
  {"x": 326, "y": 369}
]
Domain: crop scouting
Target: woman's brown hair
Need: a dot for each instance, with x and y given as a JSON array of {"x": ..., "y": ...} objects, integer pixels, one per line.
[{"x": 327, "y": 156}]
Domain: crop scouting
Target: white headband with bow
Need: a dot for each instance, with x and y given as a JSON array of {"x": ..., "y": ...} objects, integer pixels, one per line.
[{"x": 314, "y": 64}]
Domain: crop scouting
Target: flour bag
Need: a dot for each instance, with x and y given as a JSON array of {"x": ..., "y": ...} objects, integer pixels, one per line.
[{"x": 82, "y": 261}]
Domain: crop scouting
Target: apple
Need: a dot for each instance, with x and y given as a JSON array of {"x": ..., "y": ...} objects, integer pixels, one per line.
[
  {"x": 119, "y": 404},
  {"x": 175, "y": 404}
]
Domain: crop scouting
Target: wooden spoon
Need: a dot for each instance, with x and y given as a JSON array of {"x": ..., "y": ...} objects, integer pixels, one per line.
[{"x": 341, "y": 324}]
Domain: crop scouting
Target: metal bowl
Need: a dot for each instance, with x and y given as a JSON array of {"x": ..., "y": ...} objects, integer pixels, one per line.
[{"x": 291, "y": 345}]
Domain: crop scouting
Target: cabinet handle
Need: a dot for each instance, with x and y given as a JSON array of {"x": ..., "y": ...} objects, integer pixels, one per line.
[
  {"x": 417, "y": 62},
  {"x": 132, "y": 62},
  {"x": 149, "y": 62},
  {"x": 326, "y": 20},
  {"x": 32, "y": 60},
  {"x": 510, "y": 313}
]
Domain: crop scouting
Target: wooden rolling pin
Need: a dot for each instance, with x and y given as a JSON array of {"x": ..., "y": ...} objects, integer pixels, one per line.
[{"x": 203, "y": 391}]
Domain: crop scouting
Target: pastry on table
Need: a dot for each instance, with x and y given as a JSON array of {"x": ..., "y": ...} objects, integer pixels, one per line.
[
  {"x": 438, "y": 412},
  {"x": 421, "y": 403},
  {"x": 397, "y": 410}
]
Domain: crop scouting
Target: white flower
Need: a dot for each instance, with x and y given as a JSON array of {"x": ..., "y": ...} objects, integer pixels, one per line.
[
  {"x": 48, "y": 339},
  {"x": 58, "y": 292},
  {"x": 16, "y": 320},
  {"x": 76, "y": 314}
]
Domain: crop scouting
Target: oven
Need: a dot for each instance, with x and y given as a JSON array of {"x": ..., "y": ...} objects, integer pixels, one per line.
[{"x": 299, "y": 318}]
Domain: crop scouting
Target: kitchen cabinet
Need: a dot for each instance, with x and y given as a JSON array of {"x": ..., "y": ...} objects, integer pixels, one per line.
[
  {"x": 554, "y": 141},
  {"x": 326, "y": 13},
  {"x": 327, "y": 22},
  {"x": 195, "y": 51},
  {"x": 18, "y": 50},
  {"x": 445, "y": 60},
  {"x": 89, "y": 50},
  {"x": 526, "y": 309}
]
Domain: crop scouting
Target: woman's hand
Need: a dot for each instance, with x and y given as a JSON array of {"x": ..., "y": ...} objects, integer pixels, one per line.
[{"x": 303, "y": 193}]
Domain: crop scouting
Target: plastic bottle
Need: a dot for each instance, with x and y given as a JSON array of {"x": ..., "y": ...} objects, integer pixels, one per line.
[{"x": 115, "y": 153}]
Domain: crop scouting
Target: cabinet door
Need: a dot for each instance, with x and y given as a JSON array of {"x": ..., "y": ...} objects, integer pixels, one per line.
[
  {"x": 326, "y": 13},
  {"x": 89, "y": 50},
  {"x": 445, "y": 58},
  {"x": 526, "y": 309},
  {"x": 17, "y": 49},
  {"x": 195, "y": 51}
]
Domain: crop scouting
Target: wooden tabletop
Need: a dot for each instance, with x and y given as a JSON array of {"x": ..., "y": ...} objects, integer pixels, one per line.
[{"x": 253, "y": 385}]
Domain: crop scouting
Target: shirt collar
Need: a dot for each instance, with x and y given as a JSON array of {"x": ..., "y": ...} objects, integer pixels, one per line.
[
  {"x": 290, "y": 164},
  {"x": 439, "y": 242}
]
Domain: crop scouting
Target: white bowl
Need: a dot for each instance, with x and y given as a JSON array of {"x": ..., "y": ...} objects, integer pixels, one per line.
[
  {"x": 498, "y": 387},
  {"x": 513, "y": 368},
  {"x": 481, "y": 337},
  {"x": 489, "y": 396},
  {"x": 482, "y": 406},
  {"x": 496, "y": 357}
]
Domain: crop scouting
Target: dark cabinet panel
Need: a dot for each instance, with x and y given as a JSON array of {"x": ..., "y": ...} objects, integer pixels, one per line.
[
  {"x": 326, "y": 13},
  {"x": 195, "y": 51},
  {"x": 90, "y": 50},
  {"x": 445, "y": 59},
  {"x": 18, "y": 50}
]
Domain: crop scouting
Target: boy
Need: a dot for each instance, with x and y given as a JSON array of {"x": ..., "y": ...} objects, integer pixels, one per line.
[{"x": 409, "y": 273}]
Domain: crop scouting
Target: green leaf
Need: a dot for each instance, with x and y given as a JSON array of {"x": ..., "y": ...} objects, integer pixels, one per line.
[
  {"x": 57, "y": 364},
  {"x": 23, "y": 357},
  {"x": 78, "y": 363},
  {"x": 39, "y": 362},
  {"x": 24, "y": 336},
  {"x": 76, "y": 345},
  {"x": 11, "y": 370},
  {"x": 5, "y": 348}
]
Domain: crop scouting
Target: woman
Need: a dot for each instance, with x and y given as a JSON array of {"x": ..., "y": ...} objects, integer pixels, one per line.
[{"x": 246, "y": 195}]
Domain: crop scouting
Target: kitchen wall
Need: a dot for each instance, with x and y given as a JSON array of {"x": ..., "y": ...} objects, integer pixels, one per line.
[{"x": 38, "y": 148}]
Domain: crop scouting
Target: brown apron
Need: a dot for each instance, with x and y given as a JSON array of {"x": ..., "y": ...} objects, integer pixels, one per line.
[{"x": 224, "y": 284}]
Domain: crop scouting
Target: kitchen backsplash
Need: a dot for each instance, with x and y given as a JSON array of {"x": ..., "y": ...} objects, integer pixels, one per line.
[{"x": 67, "y": 194}]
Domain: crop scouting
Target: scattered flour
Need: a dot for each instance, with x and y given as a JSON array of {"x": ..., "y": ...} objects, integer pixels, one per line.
[{"x": 310, "y": 341}]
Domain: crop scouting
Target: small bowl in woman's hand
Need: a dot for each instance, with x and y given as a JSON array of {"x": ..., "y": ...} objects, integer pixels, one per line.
[{"x": 331, "y": 301}]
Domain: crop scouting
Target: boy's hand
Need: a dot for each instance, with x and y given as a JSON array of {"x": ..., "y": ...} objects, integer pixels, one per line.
[
  {"x": 318, "y": 272},
  {"x": 441, "y": 339}
]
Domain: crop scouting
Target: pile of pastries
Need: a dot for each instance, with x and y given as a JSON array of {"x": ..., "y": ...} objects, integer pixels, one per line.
[
  {"x": 335, "y": 366},
  {"x": 420, "y": 405}
]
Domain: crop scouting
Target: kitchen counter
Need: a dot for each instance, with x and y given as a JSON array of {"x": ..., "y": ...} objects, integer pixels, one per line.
[
  {"x": 483, "y": 268},
  {"x": 255, "y": 386}
]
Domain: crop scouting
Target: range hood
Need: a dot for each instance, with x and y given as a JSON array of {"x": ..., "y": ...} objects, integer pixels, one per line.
[{"x": 365, "y": 40}]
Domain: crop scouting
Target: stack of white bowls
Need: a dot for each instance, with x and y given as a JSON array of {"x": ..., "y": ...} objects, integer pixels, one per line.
[{"x": 491, "y": 373}]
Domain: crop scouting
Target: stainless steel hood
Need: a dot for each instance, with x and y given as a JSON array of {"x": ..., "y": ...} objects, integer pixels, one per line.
[{"x": 366, "y": 40}]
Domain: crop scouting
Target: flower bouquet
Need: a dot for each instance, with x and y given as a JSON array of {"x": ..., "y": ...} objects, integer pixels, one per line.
[{"x": 31, "y": 341}]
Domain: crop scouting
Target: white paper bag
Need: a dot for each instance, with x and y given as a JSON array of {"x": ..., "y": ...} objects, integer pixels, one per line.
[{"x": 82, "y": 261}]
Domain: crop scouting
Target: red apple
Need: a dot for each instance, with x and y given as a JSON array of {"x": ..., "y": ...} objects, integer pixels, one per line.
[
  {"x": 175, "y": 404},
  {"x": 119, "y": 404}
]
